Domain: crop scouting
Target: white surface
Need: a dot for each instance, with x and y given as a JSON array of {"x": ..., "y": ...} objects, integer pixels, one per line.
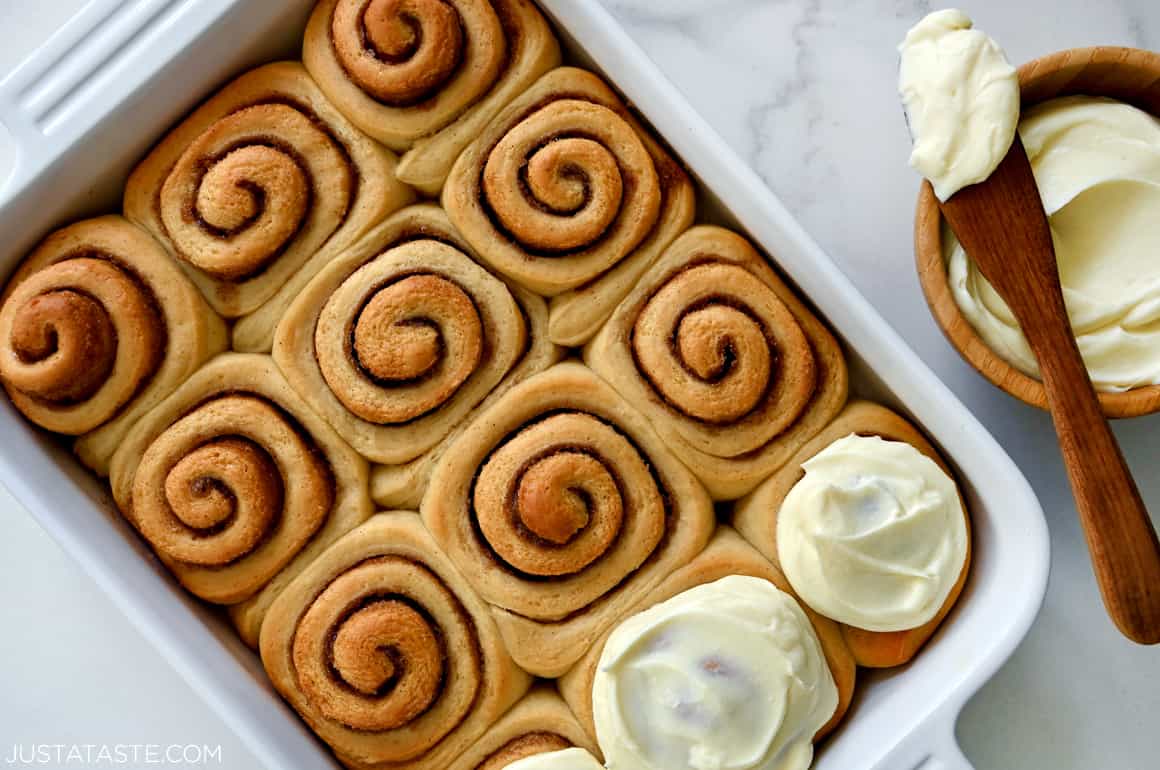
[{"x": 810, "y": 101}]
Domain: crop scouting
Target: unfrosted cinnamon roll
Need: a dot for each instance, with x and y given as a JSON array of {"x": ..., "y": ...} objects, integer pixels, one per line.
[
  {"x": 387, "y": 653},
  {"x": 401, "y": 336},
  {"x": 426, "y": 75},
  {"x": 237, "y": 485},
  {"x": 732, "y": 368},
  {"x": 97, "y": 325},
  {"x": 736, "y": 669},
  {"x": 540, "y": 723},
  {"x": 258, "y": 189},
  {"x": 567, "y": 193},
  {"x": 868, "y": 526},
  {"x": 562, "y": 507},
  {"x": 401, "y": 485}
]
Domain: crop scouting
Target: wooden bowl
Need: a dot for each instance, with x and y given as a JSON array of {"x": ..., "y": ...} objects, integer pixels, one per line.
[{"x": 1128, "y": 74}]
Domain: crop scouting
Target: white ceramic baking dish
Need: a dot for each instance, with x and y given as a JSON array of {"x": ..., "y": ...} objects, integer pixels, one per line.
[{"x": 91, "y": 101}]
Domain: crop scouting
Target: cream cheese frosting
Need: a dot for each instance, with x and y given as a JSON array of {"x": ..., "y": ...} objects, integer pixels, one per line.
[
  {"x": 961, "y": 98},
  {"x": 724, "y": 676},
  {"x": 566, "y": 759},
  {"x": 873, "y": 535},
  {"x": 1097, "y": 164}
]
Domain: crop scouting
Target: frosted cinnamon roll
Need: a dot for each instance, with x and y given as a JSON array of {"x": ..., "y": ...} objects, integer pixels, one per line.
[
  {"x": 566, "y": 193},
  {"x": 401, "y": 336},
  {"x": 387, "y": 653},
  {"x": 565, "y": 759},
  {"x": 562, "y": 507},
  {"x": 237, "y": 485},
  {"x": 719, "y": 666},
  {"x": 868, "y": 525},
  {"x": 426, "y": 75},
  {"x": 540, "y": 724},
  {"x": 732, "y": 368},
  {"x": 258, "y": 189},
  {"x": 97, "y": 325}
]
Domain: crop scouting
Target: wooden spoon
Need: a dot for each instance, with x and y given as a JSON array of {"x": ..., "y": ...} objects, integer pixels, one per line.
[{"x": 1003, "y": 227}]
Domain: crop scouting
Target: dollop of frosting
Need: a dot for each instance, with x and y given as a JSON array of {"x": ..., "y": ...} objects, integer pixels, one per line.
[
  {"x": 724, "y": 676},
  {"x": 567, "y": 759},
  {"x": 874, "y": 534},
  {"x": 962, "y": 101},
  {"x": 1097, "y": 164}
]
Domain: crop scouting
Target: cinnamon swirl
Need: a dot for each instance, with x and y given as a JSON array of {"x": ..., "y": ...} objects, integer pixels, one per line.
[
  {"x": 886, "y": 519},
  {"x": 732, "y": 368},
  {"x": 538, "y": 724},
  {"x": 258, "y": 189},
  {"x": 426, "y": 75},
  {"x": 387, "y": 653},
  {"x": 402, "y": 485},
  {"x": 562, "y": 507},
  {"x": 566, "y": 193},
  {"x": 401, "y": 336},
  {"x": 237, "y": 485},
  {"x": 98, "y": 325}
]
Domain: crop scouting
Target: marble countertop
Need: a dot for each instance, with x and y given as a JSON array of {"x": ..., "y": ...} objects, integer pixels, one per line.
[{"x": 805, "y": 91}]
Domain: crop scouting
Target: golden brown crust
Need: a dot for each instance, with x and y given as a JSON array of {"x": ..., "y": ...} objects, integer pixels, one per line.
[
  {"x": 97, "y": 325},
  {"x": 562, "y": 506},
  {"x": 402, "y": 485},
  {"x": 580, "y": 216},
  {"x": 402, "y": 335},
  {"x": 387, "y": 653},
  {"x": 426, "y": 74},
  {"x": 527, "y": 745},
  {"x": 726, "y": 554},
  {"x": 257, "y": 189},
  {"x": 539, "y": 723},
  {"x": 238, "y": 485},
  {"x": 731, "y": 367},
  {"x": 755, "y": 517}
]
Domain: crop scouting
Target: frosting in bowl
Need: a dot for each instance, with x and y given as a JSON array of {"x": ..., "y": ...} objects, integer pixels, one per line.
[
  {"x": 961, "y": 98},
  {"x": 724, "y": 676},
  {"x": 1097, "y": 164},
  {"x": 566, "y": 759},
  {"x": 873, "y": 535}
]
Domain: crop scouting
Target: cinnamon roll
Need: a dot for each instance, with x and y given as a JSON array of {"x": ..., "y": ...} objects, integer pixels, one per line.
[
  {"x": 566, "y": 193},
  {"x": 401, "y": 485},
  {"x": 539, "y": 724},
  {"x": 562, "y": 507},
  {"x": 258, "y": 189},
  {"x": 732, "y": 368},
  {"x": 387, "y": 653},
  {"x": 237, "y": 485},
  {"x": 869, "y": 527},
  {"x": 564, "y": 759},
  {"x": 725, "y": 629},
  {"x": 401, "y": 336},
  {"x": 426, "y": 75},
  {"x": 97, "y": 325}
]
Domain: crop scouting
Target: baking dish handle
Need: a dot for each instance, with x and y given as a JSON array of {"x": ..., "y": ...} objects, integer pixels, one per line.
[
  {"x": 946, "y": 756},
  {"x": 71, "y": 81},
  {"x": 20, "y": 141},
  {"x": 931, "y": 746}
]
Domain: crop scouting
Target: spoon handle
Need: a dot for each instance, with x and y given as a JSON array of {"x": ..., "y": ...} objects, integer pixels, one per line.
[
  {"x": 1002, "y": 225},
  {"x": 1124, "y": 549}
]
